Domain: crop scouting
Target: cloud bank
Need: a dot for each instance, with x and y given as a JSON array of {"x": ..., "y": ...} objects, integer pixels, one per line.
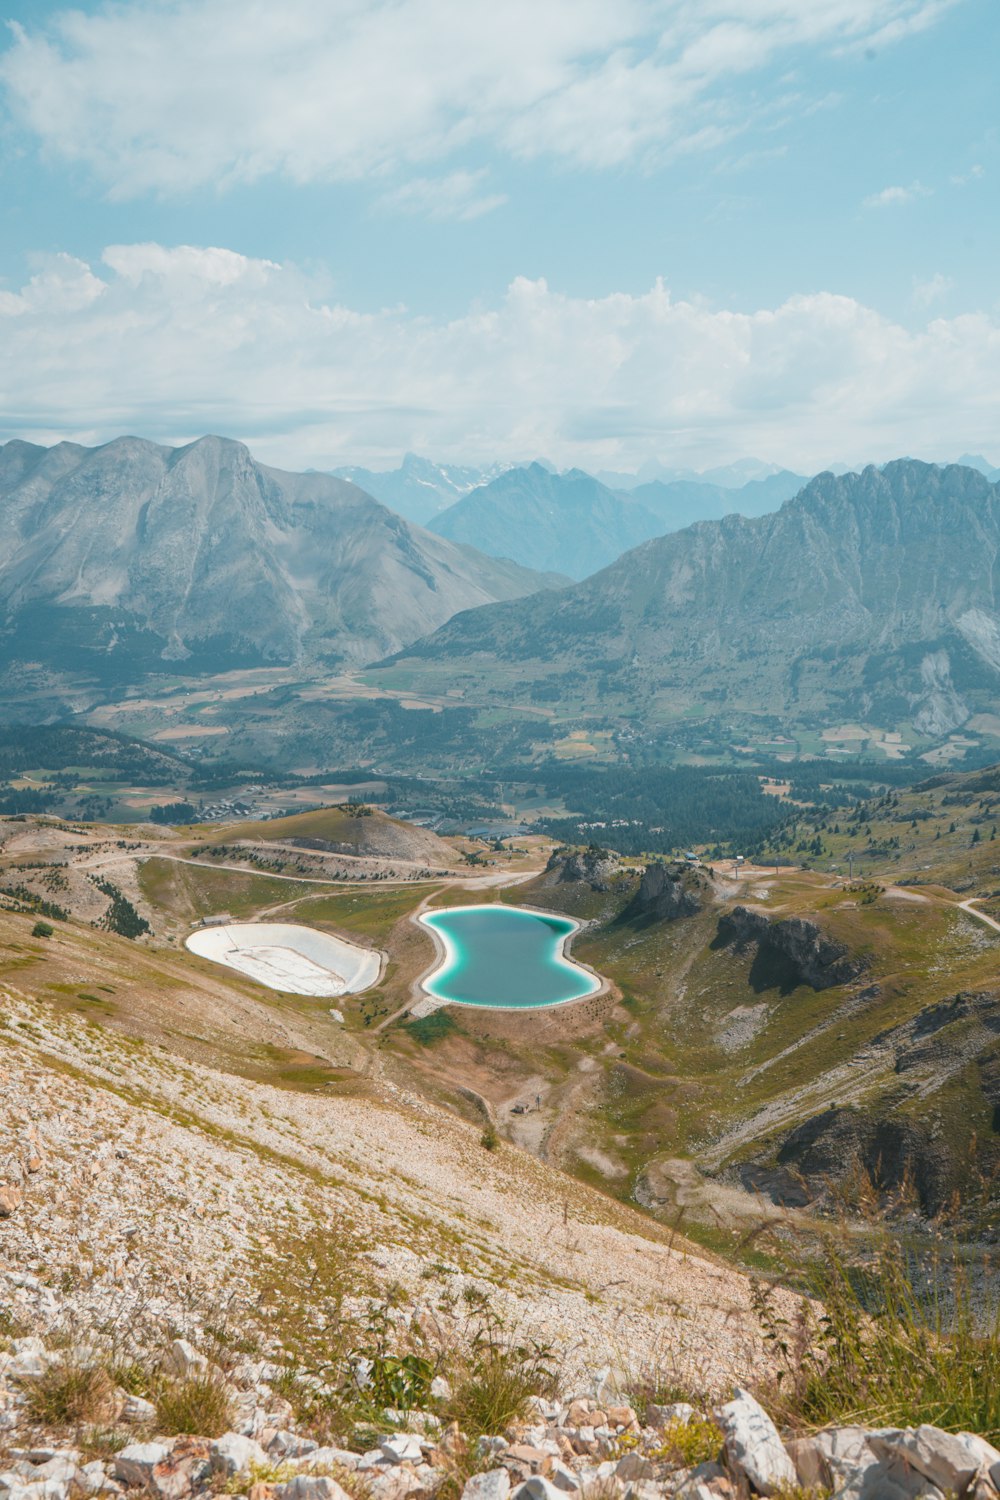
[
  {"x": 165, "y": 97},
  {"x": 173, "y": 342}
]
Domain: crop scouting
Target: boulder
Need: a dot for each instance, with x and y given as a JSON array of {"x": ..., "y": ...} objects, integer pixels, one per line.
[
  {"x": 10, "y": 1199},
  {"x": 401, "y": 1447},
  {"x": 136, "y": 1410},
  {"x": 494, "y": 1484},
  {"x": 286, "y": 1444},
  {"x": 234, "y": 1454},
  {"x": 326, "y": 1458},
  {"x": 948, "y": 1459},
  {"x": 310, "y": 1487},
  {"x": 753, "y": 1446},
  {"x": 135, "y": 1463},
  {"x": 664, "y": 1416},
  {"x": 709, "y": 1481},
  {"x": 537, "y": 1488}
]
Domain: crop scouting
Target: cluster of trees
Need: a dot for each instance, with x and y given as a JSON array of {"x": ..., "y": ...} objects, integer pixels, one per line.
[
  {"x": 56, "y": 747},
  {"x": 121, "y": 916},
  {"x": 660, "y": 808},
  {"x": 173, "y": 812},
  {"x": 28, "y": 901},
  {"x": 16, "y": 801}
]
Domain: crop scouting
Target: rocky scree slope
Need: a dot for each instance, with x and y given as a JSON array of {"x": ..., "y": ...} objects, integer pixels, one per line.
[
  {"x": 156, "y": 1192},
  {"x": 189, "y": 1235},
  {"x": 871, "y": 594},
  {"x": 135, "y": 558}
]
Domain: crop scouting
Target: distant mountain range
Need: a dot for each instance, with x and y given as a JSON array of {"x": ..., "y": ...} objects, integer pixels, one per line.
[
  {"x": 419, "y": 489},
  {"x": 572, "y": 523},
  {"x": 871, "y": 595},
  {"x": 133, "y": 558},
  {"x": 532, "y": 512}
]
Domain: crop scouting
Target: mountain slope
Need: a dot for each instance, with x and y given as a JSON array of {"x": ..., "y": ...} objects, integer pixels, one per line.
[
  {"x": 567, "y": 523},
  {"x": 124, "y": 559},
  {"x": 872, "y": 593}
]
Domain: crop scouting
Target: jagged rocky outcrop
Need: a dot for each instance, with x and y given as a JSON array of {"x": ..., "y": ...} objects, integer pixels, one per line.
[
  {"x": 790, "y": 952},
  {"x": 902, "y": 1137},
  {"x": 665, "y": 893},
  {"x": 889, "y": 1151},
  {"x": 596, "y": 867}
]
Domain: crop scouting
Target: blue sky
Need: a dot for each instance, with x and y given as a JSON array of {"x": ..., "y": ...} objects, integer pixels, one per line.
[{"x": 606, "y": 232}]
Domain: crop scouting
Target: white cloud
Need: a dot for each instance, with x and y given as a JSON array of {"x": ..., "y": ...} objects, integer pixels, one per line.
[
  {"x": 166, "y": 97},
  {"x": 894, "y": 197},
  {"x": 932, "y": 290},
  {"x": 175, "y": 342},
  {"x": 459, "y": 195},
  {"x": 975, "y": 174}
]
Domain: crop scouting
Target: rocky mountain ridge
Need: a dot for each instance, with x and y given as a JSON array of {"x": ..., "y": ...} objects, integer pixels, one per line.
[
  {"x": 133, "y": 558},
  {"x": 871, "y": 595}
]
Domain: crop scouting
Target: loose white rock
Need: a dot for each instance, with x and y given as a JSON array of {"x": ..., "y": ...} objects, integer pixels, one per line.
[
  {"x": 327, "y": 1457},
  {"x": 183, "y": 1360},
  {"x": 135, "y": 1464},
  {"x": 537, "y": 1488},
  {"x": 493, "y": 1485},
  {"x": 753, "y": 1445},
  {"x": 401, "y": 1447},
  {"x": 310, "y": 1487},
  {"x": 137, "y": 1411},
  {"x": 947, "y": 1459},
  {"x": 234, "y": 1454}
]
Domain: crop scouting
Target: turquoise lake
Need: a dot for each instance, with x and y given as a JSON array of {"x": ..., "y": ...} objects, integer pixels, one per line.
[{"x": 505, "y": 957}]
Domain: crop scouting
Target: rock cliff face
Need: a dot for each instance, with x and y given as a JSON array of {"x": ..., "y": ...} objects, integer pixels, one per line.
[
  {"x": 789, "y": 953},
  {"x": 895, "y": 1145},
  {"x": 665, "y": 893},
  {"x": 597, "y": 867},
  {"x": 133, "y": 557},
  {"x": 890, "y": 1150}
]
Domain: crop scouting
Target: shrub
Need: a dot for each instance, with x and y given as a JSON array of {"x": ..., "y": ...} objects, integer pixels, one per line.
[
  {"x": 200, "y": 1405},
  {"x": 70, "y": 1393},
  {"x": 489, "y": 1139},
  {"x": 398, "y": 1379},
  {"x": 690, "y": 1443},
  {"x": 430, "y": 1029},
  {"x": 42, "y": 929}
]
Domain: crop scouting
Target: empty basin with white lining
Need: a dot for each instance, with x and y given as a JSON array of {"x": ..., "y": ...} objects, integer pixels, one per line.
[{"x": 285, "y": 956}]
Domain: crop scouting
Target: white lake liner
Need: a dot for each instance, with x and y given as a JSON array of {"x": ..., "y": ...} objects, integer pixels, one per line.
[{"x": 285, "y": 956}]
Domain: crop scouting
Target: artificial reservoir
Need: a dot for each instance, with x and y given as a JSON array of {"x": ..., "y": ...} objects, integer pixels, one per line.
[{"x": 505, "y": 957}]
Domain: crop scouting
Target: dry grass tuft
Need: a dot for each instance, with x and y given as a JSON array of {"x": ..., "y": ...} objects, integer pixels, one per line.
[
  {"x": 200, "y": 1405},
  {"x": 70, "y": 1394}
]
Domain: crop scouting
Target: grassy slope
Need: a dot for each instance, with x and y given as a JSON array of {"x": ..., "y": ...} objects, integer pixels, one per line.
[{"x": 375, "y": 833}]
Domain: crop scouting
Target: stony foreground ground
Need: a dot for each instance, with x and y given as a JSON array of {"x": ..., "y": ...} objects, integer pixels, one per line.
[{"x": 184, "y": 1227}]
